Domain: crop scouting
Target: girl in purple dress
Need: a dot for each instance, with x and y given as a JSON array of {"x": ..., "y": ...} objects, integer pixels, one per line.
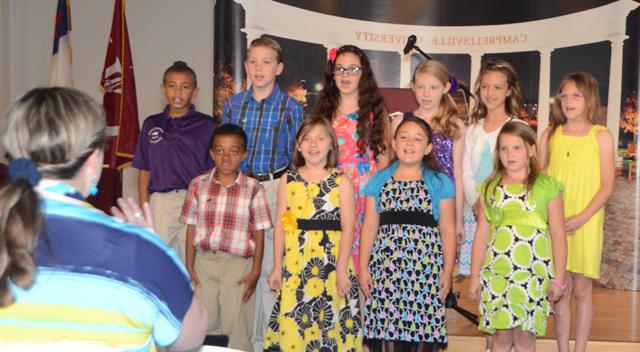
[{"x": 430, "y": 83}]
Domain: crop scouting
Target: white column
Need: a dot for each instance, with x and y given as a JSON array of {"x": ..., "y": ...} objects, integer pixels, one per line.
[
  {"x": 615, "y": 86},
  {"x": 476, "y": 63},
  {"x": 544, "y": 87},
  {"x": 405, "y": 69}
]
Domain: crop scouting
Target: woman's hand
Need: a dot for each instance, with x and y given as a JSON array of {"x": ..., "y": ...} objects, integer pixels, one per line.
[
  {"x": 194, "y": 278},
  {"x": 275, "y": 278},
  {"x": 445, "y": 287},
  {"x": 130, "y": 212},
  {"x": 343, "y": 282},
  {"x": 572, "y": 224}
]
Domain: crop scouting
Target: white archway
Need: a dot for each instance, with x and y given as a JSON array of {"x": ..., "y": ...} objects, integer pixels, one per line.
[{"x": 604, "y": 23}]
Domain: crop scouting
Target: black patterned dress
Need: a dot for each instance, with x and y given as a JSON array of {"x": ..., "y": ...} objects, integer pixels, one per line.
[
  {"x": 309, "y": 314},
  {"x": 406, "y": 264}
]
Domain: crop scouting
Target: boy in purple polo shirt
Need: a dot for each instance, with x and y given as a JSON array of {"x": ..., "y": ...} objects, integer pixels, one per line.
[
  {"x": 173, "y": 148},
  {"x": 271, "y": 119}
]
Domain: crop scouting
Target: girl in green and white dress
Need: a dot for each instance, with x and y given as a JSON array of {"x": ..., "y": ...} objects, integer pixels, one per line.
[{"x": 519, "y": 252}]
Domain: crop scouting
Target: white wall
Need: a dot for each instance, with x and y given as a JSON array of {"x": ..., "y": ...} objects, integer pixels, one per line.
[{"x": 160, "y": 32}]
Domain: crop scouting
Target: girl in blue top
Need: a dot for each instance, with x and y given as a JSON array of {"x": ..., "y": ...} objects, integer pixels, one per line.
[{"x": 408, "y": 246}]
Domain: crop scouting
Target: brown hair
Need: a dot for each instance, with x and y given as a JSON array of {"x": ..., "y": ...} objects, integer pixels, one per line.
[
  {"x": 180, "y": 67},
  {"x": 528, "y": 136},
  {"x": 372, "y": 115},
  {"x": 588, "y": 86},
  {"x": 57, "y": 129},
  {"x": 270, "y": 43},
  {"x": 429, "y": 160},
  {"x": 305, "y": 128},
  {"x": 514, "y": 101},
  {"x": 446, "y": 119}
]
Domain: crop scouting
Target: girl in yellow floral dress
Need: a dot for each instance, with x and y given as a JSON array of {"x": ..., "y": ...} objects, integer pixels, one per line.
[{"x": 317, "y": 306}]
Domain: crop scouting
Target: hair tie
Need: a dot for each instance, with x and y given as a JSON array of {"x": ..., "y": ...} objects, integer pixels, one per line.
[
  {"x": 454, "y": 84},
  {"x": 24, "y": 168},
  {"x": 332, "y": 55}
]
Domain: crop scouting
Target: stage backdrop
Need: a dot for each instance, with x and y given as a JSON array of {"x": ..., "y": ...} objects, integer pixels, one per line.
[{"x": 542, "y": 39}]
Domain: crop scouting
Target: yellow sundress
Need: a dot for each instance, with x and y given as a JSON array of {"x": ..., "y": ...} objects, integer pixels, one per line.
[{"x": 575, "y": 161}]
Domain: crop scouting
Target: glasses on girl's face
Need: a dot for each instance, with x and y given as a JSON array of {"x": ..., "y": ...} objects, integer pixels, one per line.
[
  {"x": 351, "y": 70},
  {"x": 572, "y": 96}
]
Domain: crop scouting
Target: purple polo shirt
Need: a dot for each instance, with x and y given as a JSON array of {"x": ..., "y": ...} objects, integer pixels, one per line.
[{"x": 174, "y": 150}]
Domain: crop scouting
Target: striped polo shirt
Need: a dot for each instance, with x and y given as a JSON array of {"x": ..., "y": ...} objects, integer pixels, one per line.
[{"x": 101, "y": 284}]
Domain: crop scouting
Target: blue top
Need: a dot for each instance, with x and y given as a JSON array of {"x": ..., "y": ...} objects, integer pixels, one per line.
[
  {"x": 438, "y": 184},
  {"x": 174, "y": 150},
  {"x": 101, "y": 283},
  {"x": 270, "y": 124}
]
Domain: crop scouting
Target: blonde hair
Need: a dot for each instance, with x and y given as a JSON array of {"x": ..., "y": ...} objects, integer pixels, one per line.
[
  {"x": 528, "y": 136},
  {"x": 57, "y": 129},
  {"x": 588, "y": 86},
  {"x": 446, "y": 119},
  {"x": 306, "y": 126},
  {"x": 514, "y": 101},
  {"x": 270, "y": 43}
]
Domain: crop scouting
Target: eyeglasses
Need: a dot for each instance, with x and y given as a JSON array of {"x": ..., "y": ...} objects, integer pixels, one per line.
[
  {"x": 351, "y": 70},
  {"x": 572, "y": 96}
]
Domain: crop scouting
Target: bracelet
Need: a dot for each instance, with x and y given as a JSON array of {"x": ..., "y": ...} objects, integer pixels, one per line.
[{"x": 558, "y": 285}]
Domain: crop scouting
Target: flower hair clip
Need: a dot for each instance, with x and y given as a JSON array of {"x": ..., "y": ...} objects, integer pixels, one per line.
[{"x": 332, "y": 55}]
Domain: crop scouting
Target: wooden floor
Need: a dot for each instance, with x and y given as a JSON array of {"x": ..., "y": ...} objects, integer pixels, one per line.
[{"x": 616, "y": 319}]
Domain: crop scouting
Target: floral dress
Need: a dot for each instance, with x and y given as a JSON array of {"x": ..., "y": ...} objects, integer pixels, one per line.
[
  {"x": 518, "y": 266},
  {"x": 358, "y": 167},
  {"x": 406, "y": 264},
  {"x": 309, "y": 314}
]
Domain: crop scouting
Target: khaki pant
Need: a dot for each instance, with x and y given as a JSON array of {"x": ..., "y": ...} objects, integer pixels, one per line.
[
  {"x": 218, "y": 273},
  {"x": 166, "y": 208}
]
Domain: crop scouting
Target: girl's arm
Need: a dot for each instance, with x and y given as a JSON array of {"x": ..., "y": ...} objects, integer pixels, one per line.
[
  {"x": 607, "y": 181},
  {"x": 458, "y": 150},
  {"x": 368, "y": 234},
  {"x": 478, "y": 252},
  {"x": 447, "y": 226},
  {"x": 190, "y": 255},
  {"x": 275, "y": 277},
  {"x": 348, "y": 224},
  {"x": 543, "y": 150},
  {"x": 555, "y": 209}
]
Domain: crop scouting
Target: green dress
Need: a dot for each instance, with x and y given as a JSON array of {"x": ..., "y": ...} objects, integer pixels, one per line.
[{"x": 518, "y": 266}]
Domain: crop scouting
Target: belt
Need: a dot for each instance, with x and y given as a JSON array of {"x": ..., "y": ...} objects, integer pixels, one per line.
[{"x": 268, "y": 177}]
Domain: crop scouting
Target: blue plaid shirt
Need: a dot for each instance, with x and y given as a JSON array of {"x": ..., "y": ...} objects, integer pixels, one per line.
[{"x": 270, "y": 124}]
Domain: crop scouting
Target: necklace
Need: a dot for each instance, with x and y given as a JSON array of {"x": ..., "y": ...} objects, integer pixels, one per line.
[{"x": 577, "y": 139}]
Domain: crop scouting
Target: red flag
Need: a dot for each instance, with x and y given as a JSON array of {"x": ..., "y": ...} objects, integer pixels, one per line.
[{"x": 119, "y": 88}]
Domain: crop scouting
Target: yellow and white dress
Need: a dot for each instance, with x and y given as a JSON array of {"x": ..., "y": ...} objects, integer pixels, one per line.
[
  {"x": 309, "y": 314},
  {"x": 575, "y": 161}
]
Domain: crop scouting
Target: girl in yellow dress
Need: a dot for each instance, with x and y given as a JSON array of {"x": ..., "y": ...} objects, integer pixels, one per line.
[
  {"x": 317, "y": 305},
  {"x": 579, "y": 154}
]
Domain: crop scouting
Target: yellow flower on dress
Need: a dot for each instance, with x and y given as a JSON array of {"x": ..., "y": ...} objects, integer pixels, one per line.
[
  {"x": 312, "y": 333},
  {"x": 334, "y": 197},
  {"x": 338, "y": 178},
  {"x": 292, "y": 343},
  {"x": 313, "y": 237},
  {"x": 332, "y": 286},
  {"x": 314, "y": 287},
  {"x": 293, "y": 262},
  {"x": 289, "y": 222},
  {"x": 313, "y": 190},
  {"x": 312, "y": 250}
]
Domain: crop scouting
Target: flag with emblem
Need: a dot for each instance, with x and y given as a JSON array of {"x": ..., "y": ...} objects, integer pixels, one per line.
[
  {"x": 118, "y": 86},
  {"x": 60, "y": 70}
]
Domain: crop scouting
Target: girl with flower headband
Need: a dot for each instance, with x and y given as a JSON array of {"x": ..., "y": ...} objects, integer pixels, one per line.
[
  {"x": 317, "y": 306},
  {"x": 351, "y": 102},
  {"x": 519, "y": 249},
  {"x": 408, "y": 246}
]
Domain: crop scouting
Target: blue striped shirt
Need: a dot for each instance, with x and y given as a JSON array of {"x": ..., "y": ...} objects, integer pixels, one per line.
[
  {"x": 270, "y": 124},
  {"x": 101, "y": 284}
]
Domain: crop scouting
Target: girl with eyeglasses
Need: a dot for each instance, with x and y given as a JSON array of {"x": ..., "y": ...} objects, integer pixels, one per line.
[
  {"x": 350, "y": 100},
  {"x": 579, "y": 153}
]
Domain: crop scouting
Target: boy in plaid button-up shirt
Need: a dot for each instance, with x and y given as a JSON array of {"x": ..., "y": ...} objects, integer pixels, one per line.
[{"x": 226, "y": 213}]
